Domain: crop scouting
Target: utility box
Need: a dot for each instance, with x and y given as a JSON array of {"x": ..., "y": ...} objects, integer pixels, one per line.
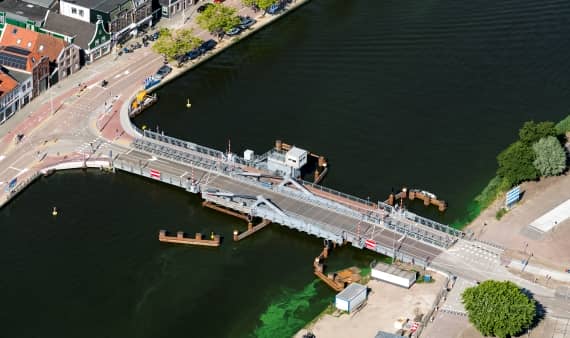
[
  {"x": 391, "y": 274},
  {"x": 248, "y": 155},
  {"x": 351, "y": 298},
  {"x": 296, "y": 157}
]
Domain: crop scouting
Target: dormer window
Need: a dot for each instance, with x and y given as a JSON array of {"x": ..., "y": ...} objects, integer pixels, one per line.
[
  {"x": 33, "y": 59},
  {"x": 41, "y": 48},
  {"x": 18, "y": 41},
  {"x": 15, "y": 30},
  {"x": 30, "y": 44}
]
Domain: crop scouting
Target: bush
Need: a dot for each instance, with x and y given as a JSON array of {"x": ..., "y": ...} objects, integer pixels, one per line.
[
  {"x": 550, "y": 156},
  {"x": 516, "y": 163},
  {"x": 563, "y": 126},
  {"x": 500, "y": 213},
  {"x": 531, "y": 131}
]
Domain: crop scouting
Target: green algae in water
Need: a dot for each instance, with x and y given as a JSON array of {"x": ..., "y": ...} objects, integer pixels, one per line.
[{"x": 290, "y": 312}]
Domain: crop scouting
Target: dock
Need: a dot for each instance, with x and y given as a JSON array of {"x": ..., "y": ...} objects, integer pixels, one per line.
[
  {"x": 412, "y": 194},
  {"x": 251, "y": 229},
  {"x": 181, "y": 238}
]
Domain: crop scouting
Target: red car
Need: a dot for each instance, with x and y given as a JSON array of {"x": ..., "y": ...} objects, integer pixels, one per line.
[{"x": 218, "y": 1}]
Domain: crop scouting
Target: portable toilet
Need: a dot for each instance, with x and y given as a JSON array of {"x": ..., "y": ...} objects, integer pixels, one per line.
[{"x": 351, "y": 297}]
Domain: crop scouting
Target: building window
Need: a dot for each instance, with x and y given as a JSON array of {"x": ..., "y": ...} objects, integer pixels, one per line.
[
  {"x": 81, "y": 13},
  {"x": 18, "y": 41},
  {"x": 73, "y": 10},
  {"x": 30, "y": 44},
  {"x": 41, "y": 48}
]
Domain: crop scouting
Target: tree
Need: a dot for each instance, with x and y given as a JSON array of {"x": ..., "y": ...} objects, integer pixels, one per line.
[
  {"x": 516, "y": 163},
  {"x": 218, "y": 18},
  {"x": 174, "y": 43},
  {"x": 498, "y": 308},
  {"x": 550, "y": 156},
  {"x": 531, "y": 131},
  {"x": 262, "y": 4}
]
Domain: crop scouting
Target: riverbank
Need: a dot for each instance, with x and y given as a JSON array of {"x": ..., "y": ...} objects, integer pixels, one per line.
[
  {"x": 262, "y": 21},
  {"x": 386, "y": 304}
]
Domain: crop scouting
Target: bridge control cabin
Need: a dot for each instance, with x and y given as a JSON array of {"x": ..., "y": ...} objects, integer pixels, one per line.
[{"x": 287, "y": 162}]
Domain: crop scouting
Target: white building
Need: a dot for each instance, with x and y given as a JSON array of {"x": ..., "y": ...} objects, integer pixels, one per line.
[{"x": 73, "y": 10}]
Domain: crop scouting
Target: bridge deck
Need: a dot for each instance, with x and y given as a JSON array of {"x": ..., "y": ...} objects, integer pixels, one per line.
[{"x": 335, "y": 221}]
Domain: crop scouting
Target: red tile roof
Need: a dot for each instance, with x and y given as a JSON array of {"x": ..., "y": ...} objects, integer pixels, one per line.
[
  {"x": 7, "y": 84},
  {"x": 37, "y": 43}
]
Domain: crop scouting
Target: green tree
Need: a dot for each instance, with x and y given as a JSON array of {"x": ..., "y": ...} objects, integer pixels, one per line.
[
  {"x": 498, "y": 308},
  {"x": 550, "y": 156},
  {"x": 218, "y": 18},
  {"x": 174, "y": 43},
  {"x": 531, "y": 131},
  {"x": 262, "y": 4},
  {"x": 516, "y": 164},
  {"x": 563, "y": 126}
]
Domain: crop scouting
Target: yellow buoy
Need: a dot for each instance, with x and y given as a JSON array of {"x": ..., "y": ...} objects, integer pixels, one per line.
[
  {"x": 188, "y": 104},
  {"x": 54, "y": 211}
]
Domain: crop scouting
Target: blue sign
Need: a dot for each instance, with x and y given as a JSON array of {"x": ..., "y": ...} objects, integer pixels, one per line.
[{"x": 513, "y": 196}]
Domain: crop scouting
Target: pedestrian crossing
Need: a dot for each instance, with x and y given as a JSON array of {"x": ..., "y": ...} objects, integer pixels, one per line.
[
  {"x": 92, "y": 146},
  {"x": 475, "y": 253}
]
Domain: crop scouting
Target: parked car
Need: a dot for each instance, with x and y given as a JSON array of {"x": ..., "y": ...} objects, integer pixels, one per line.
[
  {"x": 208, "y": 45},
  {"x": 203, "y": 7},
  {"x": 182, "y": 58},
  {"x": 194, "y": 53},
  {"x": 275, "y": 8},
  {"x": 233, "y": 31},
  {"x": 246, "y": 22},
  {"x": 218, "y": 1},
  {"x": 162, "y": 72}
]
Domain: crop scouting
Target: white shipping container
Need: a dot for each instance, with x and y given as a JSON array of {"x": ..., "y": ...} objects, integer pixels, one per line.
[
  {"x": 351, "y": 297},
  {"x": 391, "y": 274}
]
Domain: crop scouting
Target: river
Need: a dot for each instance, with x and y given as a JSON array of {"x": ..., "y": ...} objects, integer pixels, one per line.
[{"x": 393, "y": 93}]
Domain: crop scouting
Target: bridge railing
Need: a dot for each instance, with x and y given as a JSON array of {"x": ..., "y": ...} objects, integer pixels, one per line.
[{"x": 375, "y": 207}]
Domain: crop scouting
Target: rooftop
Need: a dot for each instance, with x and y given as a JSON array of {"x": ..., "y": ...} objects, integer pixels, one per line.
[
  {"x": 296, "y": 152},
  {"x": 105, "y": 6},
  {"x": 42, "y": 3},
  {"x": 20, "y": 40},
  {"x": 82, "y": 31},
  {"x": 7, "y": 84},
  {"x": 19, "y": 76},
  {"x": 387, "y": 268},
  {"x": 23, "y": 11},
  {"x": 351, "y": 291}
]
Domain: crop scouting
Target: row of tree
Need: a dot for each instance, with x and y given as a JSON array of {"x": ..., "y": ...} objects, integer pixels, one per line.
[
  {"x": 216, "y": 19},
  {"x": 538, "y": 152}
]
